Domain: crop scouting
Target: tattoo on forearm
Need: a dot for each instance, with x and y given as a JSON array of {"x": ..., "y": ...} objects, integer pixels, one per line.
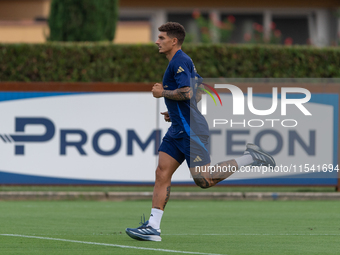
[
  {"x": 167, "y": 196},
  {"x": 180, "y": 94}
]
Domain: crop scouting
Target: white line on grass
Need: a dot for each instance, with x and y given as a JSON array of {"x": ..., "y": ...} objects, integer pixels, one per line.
[
  {"x": 250, "y": 234},
  {"x": 108, "y": 244}
]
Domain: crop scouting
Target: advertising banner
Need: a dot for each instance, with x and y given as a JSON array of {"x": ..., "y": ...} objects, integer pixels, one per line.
[{"x": 113, "y": 137}]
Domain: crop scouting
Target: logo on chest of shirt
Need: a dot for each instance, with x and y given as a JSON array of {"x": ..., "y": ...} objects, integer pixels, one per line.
[
  {"x": 165, "y": 86},
  {"x": 180, "y": 69}
]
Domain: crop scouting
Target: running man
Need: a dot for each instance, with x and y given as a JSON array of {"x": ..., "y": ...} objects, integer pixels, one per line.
[{"x": 188, "y": 136}]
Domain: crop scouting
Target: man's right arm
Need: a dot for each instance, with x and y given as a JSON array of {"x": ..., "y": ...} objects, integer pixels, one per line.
[{"x": 180, "y": 94}]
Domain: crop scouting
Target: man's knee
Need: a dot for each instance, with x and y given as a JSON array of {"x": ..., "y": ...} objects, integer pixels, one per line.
[{"x": 162, "y": 174}]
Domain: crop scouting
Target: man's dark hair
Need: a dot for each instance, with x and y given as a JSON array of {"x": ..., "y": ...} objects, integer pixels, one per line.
[{"x": 174, "y": 30}]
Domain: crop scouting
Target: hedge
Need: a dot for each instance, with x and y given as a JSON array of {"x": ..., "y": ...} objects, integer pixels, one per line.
[{"x": 86, "y": 62}]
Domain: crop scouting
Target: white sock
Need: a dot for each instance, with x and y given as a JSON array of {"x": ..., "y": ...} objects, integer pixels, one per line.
[
  {"x": 245, "y": 160},
  {"x": 155, "y": 218}
]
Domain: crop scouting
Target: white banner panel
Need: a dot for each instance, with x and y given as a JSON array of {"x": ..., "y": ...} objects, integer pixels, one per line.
[
  {"x": 95, "y": 136},
  {"x": 90, "y": 138}
]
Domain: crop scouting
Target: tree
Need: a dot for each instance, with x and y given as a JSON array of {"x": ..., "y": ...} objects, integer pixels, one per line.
[{"x": 83, "y": 20}]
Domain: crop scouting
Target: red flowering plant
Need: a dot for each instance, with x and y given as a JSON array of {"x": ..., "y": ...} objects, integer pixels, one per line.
[
  {"x": 213, "y": 26},
  {"x": 275, "y": 34},
  {"x": 258, "y": 35},
  {"x": 226, "y": 28},
  {"x": 288, "y": 41}
]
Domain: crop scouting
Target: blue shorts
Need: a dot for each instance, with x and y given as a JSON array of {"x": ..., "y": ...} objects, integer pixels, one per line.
[{"x": 193, "y": 149}]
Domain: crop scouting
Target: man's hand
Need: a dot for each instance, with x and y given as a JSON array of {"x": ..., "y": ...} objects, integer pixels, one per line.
[
  {"x": 166, "y": 116},
  {"x": 157, "y": 90}
]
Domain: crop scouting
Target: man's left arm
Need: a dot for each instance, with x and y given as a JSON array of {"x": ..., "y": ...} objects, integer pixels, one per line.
[{"x": 199, "y": 93}]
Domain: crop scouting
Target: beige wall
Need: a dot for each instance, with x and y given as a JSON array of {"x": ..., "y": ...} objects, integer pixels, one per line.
[
  {"x": 30, "y": 32},
  {"x": 23, "y": 33},
  {"x": 16, "y": 24},
  {"x": 133, "y": 32},
  {"x": 228, "y": 3},
  {"x": 127, "y": 32},
  {"x": 23, "y": 9},
  {"x": 30, "y": 9}
]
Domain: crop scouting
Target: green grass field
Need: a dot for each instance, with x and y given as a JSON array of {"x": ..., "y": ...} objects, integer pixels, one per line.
[{"x": 188, "y": 227}]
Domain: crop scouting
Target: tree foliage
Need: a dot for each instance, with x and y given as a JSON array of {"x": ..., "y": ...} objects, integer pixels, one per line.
[{"x": 83, "y": 20}]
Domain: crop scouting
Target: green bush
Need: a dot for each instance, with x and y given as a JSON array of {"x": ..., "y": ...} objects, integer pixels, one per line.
[
  {"x": 83, "y": 20},
  {"x": 107, "y": 62}
]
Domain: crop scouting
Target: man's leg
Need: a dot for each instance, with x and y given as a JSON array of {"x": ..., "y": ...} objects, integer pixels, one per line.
[
  {"x": 205, "y": 177},
  {"x": 167, "y": 165},
  {"x": 150, "y": 230}
]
